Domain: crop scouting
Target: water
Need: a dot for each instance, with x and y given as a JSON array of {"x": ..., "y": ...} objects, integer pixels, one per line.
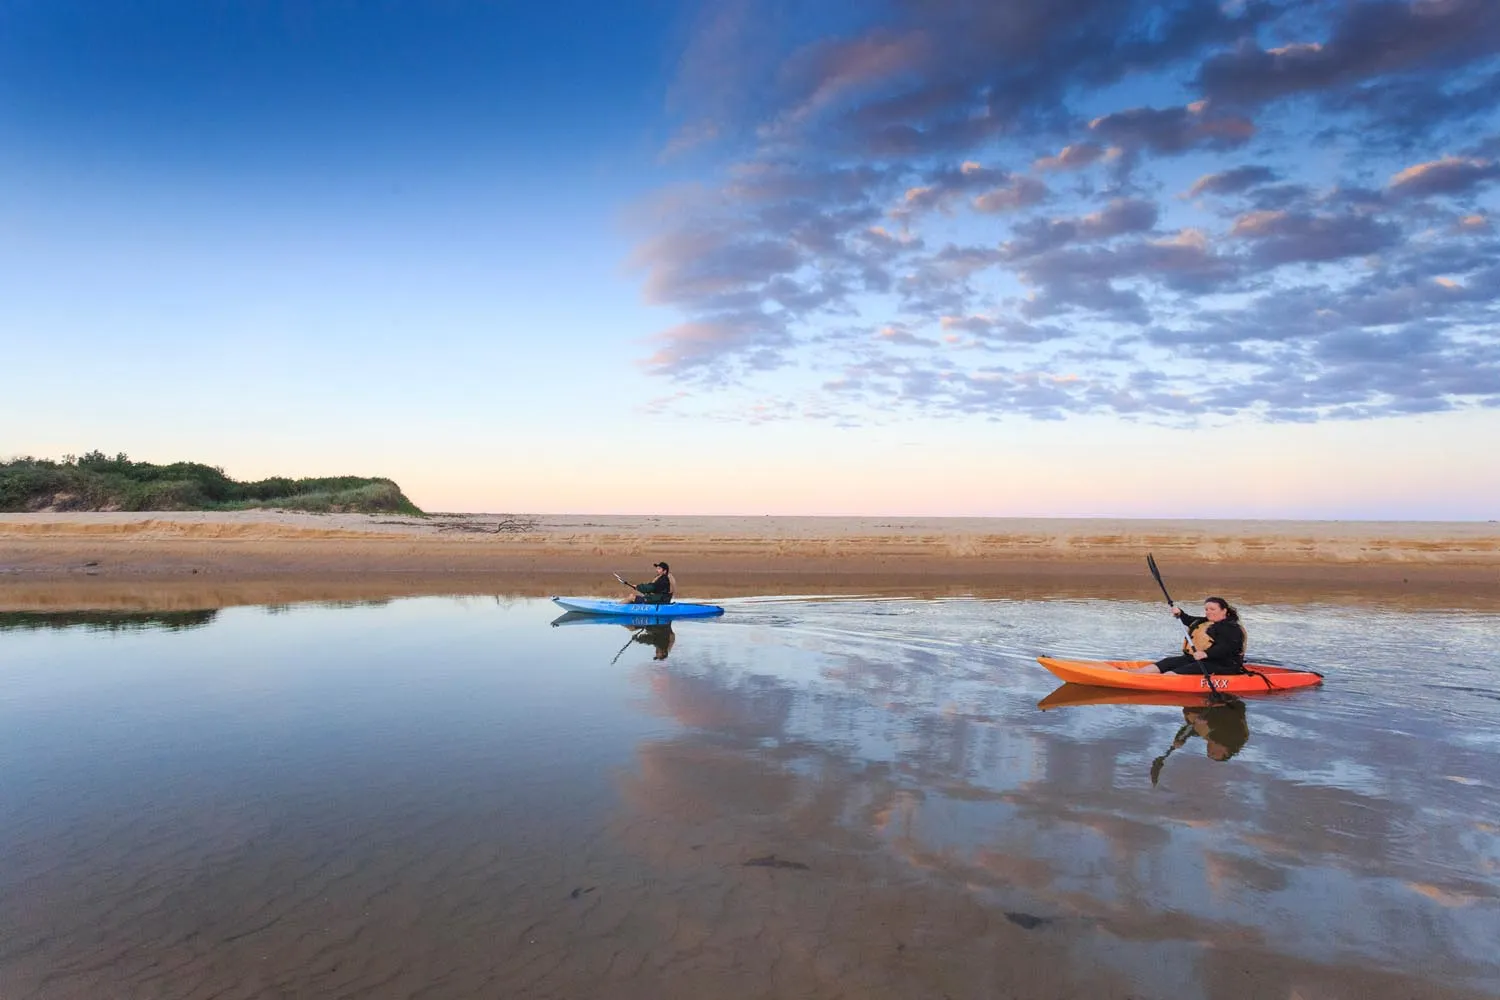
[{"x": 819, "y": 797}]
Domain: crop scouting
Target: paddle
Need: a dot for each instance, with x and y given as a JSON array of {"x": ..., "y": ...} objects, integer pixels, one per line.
[
  {"x": 1181, "y": 738},
  {"x": 1151, "y": 562},
  {"x": 623, "y": 648}
]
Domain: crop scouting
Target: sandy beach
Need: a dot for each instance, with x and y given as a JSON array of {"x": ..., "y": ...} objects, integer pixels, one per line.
[{"x": 107, "y": 559}]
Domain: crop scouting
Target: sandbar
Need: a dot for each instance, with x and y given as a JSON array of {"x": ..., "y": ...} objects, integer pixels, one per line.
[{"x": 119, "y": 558}]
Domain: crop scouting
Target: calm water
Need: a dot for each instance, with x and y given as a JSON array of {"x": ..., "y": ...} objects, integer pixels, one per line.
[{"x": 807, "y": 798}]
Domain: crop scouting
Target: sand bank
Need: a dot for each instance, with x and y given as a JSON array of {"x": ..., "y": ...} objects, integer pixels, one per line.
[{"x": 269, "y": 556}]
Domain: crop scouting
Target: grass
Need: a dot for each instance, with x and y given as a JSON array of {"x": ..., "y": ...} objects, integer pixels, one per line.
[{"x": 96, "y": 481}]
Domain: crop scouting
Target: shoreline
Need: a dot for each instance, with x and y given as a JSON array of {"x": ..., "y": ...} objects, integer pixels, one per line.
[{"x": 123, "y": 559}]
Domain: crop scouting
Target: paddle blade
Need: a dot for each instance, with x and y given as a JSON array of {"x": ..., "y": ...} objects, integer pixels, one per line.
[{"x": 1151, "y": 563}]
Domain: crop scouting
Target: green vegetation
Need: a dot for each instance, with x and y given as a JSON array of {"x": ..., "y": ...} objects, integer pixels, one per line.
[{"x": 97, "y": 482}]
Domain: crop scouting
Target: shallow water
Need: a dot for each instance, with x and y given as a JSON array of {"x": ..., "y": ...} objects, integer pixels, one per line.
[{"x": 819, "y": 797}]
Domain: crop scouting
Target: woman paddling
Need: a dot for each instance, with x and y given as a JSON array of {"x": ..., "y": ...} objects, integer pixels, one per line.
[{"x": 1215, "y": 642}]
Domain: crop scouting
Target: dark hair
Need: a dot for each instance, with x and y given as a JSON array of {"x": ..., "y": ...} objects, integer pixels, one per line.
[
  {"x": 663, "y": 566},
  {"x": 1229, "y": 613}
]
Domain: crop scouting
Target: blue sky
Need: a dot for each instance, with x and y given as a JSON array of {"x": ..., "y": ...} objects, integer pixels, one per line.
[{"x": 1095, "y": 257}]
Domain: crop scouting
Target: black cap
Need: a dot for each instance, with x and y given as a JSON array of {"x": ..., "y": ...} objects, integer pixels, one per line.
[{"x": 663, "y": 566}]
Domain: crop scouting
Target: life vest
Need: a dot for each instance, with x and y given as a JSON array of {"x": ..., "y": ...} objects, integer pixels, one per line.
[{"x": 1200, "y": 639}]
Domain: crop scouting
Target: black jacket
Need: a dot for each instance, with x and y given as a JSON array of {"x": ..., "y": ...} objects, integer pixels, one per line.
[
  {"x": 1222, "y": 642},
  {"x": 660, "y": 588}
]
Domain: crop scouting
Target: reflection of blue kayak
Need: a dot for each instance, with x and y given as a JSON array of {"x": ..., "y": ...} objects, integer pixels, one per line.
[
  {"x": 630, "y": 621},
  {"x": 598, "y": 606}
]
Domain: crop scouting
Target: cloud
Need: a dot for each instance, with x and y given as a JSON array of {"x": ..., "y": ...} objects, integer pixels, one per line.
[
  {"x": 1120, "y": 216},
  {"x": 1285, "y": 237},
  {"x": 904, "y": 199},
  {"x": 707, "y": 267},
  {"x": 689, "y": 348},
  {"x": 690, "y": 137},
  {"x": 1450, "y": 175},
  {"x": 1017, "y": 193},
  {"x": 1369, "y": 39},
  {"x": 1074, "y": 157},
  {"x": 995, "y": 331},
  {"x": 1406, "y": 111},
  {"x": 993, "y": 190},
  {"x": 1173, "y": 130},
  {"x": 1232, "y": 181},
  {"x": 830, "y": 74},
  {"x": 943, "y": 75}
]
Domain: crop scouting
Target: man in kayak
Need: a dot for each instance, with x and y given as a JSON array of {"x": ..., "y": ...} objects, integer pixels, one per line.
[
  {"x": 657, "y": 591},
  {"x": 1215, "y": 642}
]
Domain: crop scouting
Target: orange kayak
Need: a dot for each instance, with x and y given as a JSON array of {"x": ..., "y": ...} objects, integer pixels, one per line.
[{"x": 1127, "y": 674}]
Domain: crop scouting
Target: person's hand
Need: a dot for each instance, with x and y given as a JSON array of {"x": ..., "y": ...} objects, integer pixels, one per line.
[
  {"x": 1176, "y": 611},
  {"x": 1199, "y": 654}
]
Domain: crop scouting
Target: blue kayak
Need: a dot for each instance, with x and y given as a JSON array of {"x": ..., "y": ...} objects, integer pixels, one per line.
[{"x": 599, "y": 606}]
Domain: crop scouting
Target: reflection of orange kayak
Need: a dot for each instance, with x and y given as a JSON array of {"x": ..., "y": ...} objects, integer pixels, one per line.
[
  {"x": 1126, "y": 674},
  {"x": 1082, "y": 694}
]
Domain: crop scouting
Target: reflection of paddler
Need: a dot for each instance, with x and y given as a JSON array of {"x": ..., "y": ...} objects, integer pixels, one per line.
[
  {"x": 660, "y": 636},
  {"x": 1223, "y": 727}
]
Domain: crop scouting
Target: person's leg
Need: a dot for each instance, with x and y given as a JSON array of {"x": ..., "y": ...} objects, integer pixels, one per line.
[{"x": 1179, "y": 665}]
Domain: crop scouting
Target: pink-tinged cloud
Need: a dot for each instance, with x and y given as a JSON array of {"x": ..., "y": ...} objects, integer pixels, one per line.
[
  {"x": 1232, "y": 181},
  {"x": 1021, "y": 192},
  {"x": 698, "y": 344},
  {"x": 1074, "y": 157},
  {"x": 689, "y": 137},
  {"x": 1284, "y": 237},
  {"x": 1450, "y": 175},
  {"x": 828, "y": 74},
  {"x": 997, "y": 191},
  {"x": 1120, "y": 216},
  {"x": 699, "y": 266}
]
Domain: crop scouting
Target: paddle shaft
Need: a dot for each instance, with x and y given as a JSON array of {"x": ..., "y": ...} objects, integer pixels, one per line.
[{"x": 1151, "y": 562}]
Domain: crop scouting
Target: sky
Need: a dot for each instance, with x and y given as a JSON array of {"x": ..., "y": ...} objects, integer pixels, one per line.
[{"x": 870, "y": 257}]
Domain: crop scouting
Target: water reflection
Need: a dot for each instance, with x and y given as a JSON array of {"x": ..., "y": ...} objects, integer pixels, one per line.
[
  {"x": 106, "y": 621},
  {"x": 902, "y": 734},
  {"x": 1221, "y": 721},
  {"x": 649, "y": 630},
  {"x": 848, "y": 797}
]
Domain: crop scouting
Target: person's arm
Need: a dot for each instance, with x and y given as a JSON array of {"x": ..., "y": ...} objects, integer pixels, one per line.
[{"x": 1190, "y": 622}]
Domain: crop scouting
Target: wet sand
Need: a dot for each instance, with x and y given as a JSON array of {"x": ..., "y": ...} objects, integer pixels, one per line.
[{"x": 381, "y": 555}]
